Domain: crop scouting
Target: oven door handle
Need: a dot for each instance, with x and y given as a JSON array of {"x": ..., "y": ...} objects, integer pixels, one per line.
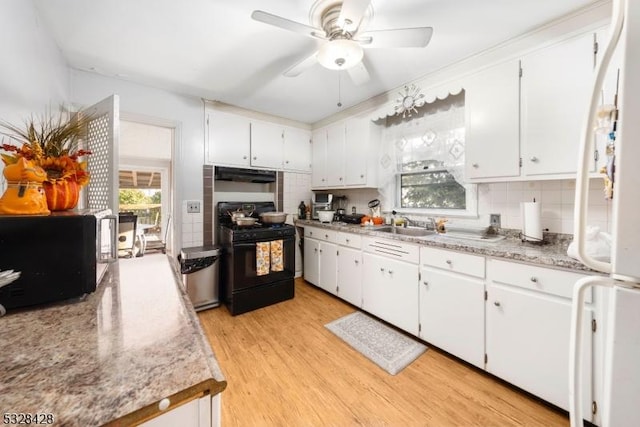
[{"x": 253, "y": 244}]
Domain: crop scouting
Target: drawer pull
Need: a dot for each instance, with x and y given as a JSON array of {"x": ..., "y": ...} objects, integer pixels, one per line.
[
  {"x": 496, "y": 303},
  {"x": 320, "y": 250},
  {"x": 311, "y": 233},
  {"x": 534, "y": 159},
  {"x": 449, "y": 262},
  {"x": 390, "y": 271},
  {"x": 475, "y": 165},
  {"x": 356, "y": 261},
  {"x": 381, "y": 270},
  {"x": 326, "y": 236},
  {"x": 425, "y": 283},
  {"x": 534, "y": 279},
  {"x": 347, "y": 240},
  {"x": 315, "y": 249}
]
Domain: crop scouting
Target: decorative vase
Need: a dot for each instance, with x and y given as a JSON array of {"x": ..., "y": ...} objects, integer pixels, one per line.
[{"x": 62, "y": 194}]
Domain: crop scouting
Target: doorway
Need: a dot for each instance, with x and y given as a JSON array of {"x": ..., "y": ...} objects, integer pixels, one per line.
[{"x": 145, "y": 182}]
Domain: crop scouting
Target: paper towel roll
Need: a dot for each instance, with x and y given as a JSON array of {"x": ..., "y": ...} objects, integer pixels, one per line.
[{"x": 531, "y": 224}]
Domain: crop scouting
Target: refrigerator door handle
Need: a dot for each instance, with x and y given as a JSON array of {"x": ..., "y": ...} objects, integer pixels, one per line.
[
  {"x": 582, "y": 178},
  {"x": 575, "y": 344}
]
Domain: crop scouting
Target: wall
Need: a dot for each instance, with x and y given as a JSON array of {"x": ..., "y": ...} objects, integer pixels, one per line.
[
  {"x": 185, "y": 112},
  {"x": 33, "y": 75}
]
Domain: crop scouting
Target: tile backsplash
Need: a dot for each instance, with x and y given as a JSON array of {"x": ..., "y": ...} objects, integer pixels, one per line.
[
  {"x": 556, "y": 199},
  {"x": 192, "y": 226}
]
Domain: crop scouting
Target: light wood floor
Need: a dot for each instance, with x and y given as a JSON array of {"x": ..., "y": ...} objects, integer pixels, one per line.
[{"x": 284, "y": 368}]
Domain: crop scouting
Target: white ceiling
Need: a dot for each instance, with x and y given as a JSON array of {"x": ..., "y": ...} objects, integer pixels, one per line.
[{"x": 213, "y": 49}]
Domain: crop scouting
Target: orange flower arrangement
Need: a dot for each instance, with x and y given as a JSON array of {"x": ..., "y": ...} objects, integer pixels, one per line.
[{"x": 52, "y": 144}]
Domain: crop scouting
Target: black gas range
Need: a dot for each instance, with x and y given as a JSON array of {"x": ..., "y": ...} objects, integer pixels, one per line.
[{"x": 259, "y": 262}]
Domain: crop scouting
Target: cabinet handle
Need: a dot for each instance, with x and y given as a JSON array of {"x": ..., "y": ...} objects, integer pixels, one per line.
[
  {"x": 534, "y": 279},
  {"x": 286, "y": 161},
  {"x": 449, "y": 262},
  {"x": 425, "y": 283},
  {"x": 320, "y": 250},
  {"x": 347, "y": 240},
  {"x": 315, "y": 249},
  {"x": 244, "y": 157},
  {"x": 340, "y": 178},
  {"x": 390, "y": 271},
  {"x": 381, "y": 269},
  {"x": 475, "y": 165},
  {"x": 311, "y": 233},
  {"x": 534, "y": 159},
  {"x": 356, "y": 261},
  {"x": 326, "y": 236},
  {"x": 361, "y": 176},
  {"x": 255, "y": 158},
  {"x": 496, "y": 303}
]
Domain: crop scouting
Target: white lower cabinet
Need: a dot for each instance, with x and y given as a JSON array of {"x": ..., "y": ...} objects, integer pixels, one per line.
[
  {"x": 201, "y": 412},
  {"x": 452, "y": 314},
  {"x": 350, "y": 275},
  {"x": 390, "y": 291},
  {"x": 320, "y": 258},
  {"x": 452, "y": 302},
  {"x": 528, "y": 317}
]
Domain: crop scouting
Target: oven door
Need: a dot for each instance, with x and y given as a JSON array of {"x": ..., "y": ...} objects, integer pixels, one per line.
[{"x": 244, "y": 265}]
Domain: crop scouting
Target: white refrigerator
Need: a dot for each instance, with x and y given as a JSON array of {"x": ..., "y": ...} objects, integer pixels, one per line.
[{"x": 621, "y": 378}]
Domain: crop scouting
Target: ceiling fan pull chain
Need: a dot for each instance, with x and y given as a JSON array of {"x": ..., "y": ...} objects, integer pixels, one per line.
[{"x": 339, "y": 94}]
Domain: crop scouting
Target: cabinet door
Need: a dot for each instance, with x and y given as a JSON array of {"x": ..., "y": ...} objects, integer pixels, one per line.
[
  {"x": 356, "y": 150},
  {"x": 319, "y": 158},
  {"x": 229, "y": 139},
  {"x": 335, "y": 155},
  {"x": 452, "y": 314},
  {"x": 350, "y": 275},
  {"x": 555, "y": 90},
  {"x": 328, "y": 267},
  {"x": 527, "y": 341},
  {"x": 297, "y": 149},
  {"x": 390, "y": 291},
  {"x": 266, "y": 145},
  {"x": 311, "y": 261},
  {"x": 492, "y": 102}
]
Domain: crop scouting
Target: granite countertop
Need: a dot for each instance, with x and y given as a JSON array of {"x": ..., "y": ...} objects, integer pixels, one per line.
[
  {"x": 512, "y": 248},
  {"x": 112, "y": 356}
]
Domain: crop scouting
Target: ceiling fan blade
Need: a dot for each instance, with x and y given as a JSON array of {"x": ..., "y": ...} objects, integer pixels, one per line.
[
  {"x": 299, "y": 67},
  {"x": 359, "y": 74},
  {"x": 287, "y": 24},
  {"x": 351, "y": 14},
  {"x": 401, "y": 37}
]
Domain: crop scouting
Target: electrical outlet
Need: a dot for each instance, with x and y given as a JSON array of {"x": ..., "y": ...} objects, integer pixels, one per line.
[
  {"x": 494, "y": 220},
  {"x": 193, "y": 207}
]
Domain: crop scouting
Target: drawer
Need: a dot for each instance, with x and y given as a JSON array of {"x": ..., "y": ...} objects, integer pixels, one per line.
[
  {"x": 547, "y": 280},
  {"x": 392, "y": 248},
  {"x": 323, "y": 234},
  {"x": 351, "y": 240},
  {"x": 472, "y": 265}
]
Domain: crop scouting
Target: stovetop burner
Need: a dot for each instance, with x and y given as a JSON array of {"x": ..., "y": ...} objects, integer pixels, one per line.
[{"x": 255, "y": 232}]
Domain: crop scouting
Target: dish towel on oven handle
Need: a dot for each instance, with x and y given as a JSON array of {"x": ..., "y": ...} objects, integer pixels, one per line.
[
  {"x": 277, "y": 256},
  {"x": 263, "y": 258}
]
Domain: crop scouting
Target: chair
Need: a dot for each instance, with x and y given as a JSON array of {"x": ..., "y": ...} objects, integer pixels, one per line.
[
  {"x": 127, "y": 234},
  {"x": 157, "y": 244}
]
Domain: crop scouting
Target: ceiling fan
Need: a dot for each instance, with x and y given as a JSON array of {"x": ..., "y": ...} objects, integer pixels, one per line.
[{"x": 342, "y": 25}]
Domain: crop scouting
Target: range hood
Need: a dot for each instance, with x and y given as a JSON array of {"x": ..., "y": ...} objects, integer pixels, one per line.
[{"x": 244, "y": 175}]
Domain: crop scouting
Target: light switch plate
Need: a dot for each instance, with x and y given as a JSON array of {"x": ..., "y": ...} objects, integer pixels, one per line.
[
  {"x": 494, "y": 220},
  {"x": 193, "y": 207}
]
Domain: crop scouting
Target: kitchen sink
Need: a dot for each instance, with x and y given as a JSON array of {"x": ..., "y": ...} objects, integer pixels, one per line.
[{"x": 408, "y": 231}]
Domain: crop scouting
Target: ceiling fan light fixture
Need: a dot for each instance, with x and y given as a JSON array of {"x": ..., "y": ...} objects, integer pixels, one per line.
[{"x": 340, "y": 54}]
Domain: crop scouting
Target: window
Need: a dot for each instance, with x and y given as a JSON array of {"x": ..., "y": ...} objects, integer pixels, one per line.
[
  {"x": 429, "y": 156},
  {"x": 433, "y": 189}
]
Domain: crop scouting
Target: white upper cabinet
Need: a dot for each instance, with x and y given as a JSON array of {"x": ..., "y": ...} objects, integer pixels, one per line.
[
  {"x": 236, "y": 140},
  {"x": 319, "y": 158},
  {"x": 492, "y": 103},
  {"x": 348, "y": 156},
  {"x": 297, "y": 149},
  {"x": 335, "y": 155},
  {"x": 229, "y": 137},
  {"x": 555, "y": 88},
  {"x": 266, "y": 144}
]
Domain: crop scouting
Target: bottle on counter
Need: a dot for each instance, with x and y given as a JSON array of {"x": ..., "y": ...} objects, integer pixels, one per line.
[
  {"x": 308, "y": 212},
  {"x": 302, "y": 210}
]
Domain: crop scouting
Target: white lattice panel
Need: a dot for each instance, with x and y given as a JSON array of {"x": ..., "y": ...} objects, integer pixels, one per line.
[{"x": 98, "y": 140}]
